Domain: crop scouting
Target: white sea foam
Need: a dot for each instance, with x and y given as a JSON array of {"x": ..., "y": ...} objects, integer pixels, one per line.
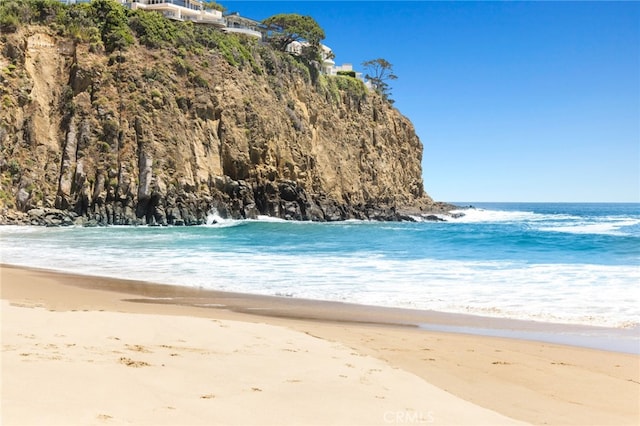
[
  {"x": 215, "y": 220},
  {"x": 263, "y": 218},
  {"x": 608, "y": 226},
  {"x": 604, "y": 225},
  {"x": 214, "y": 217},
  {"x": 20, "y": 229},
  {"x": 429, "y": 217},
  {"x": 478, "y": 215},
  {"x": 580, "y": 294}
]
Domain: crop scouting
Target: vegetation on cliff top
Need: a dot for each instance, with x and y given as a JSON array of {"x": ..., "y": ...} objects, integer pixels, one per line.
[{"x": 107, "y": 26}]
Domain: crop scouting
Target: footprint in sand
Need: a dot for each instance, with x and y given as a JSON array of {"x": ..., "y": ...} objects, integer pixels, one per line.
[
  {"x": 27, "y": 336},
  {"x": 207, "y": 396},
  {"x": 135, "y": 364},
  {"x": 137, "y": 348}
]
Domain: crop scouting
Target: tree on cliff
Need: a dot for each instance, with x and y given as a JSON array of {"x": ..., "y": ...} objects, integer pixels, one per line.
[
  {"x": 286, "y": 28},
  {"x": 379, "y": 71},
  {"x": 212, "y": 4},
  {"x": 113, "y": 23}
]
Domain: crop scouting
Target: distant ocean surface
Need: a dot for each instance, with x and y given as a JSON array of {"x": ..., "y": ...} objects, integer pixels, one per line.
[{"x": 563, "y": 263}]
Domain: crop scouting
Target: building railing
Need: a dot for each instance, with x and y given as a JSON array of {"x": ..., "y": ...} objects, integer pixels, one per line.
[{"x": 240, "y": 30}]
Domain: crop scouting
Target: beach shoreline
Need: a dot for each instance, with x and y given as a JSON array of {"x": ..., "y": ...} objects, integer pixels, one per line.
[
  {"x": 529, "y": 381},
  {"x": 624, "y": 340}
]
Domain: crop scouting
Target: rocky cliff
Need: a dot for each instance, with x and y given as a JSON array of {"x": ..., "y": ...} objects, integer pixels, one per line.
[{"x": 165, "y": 135}]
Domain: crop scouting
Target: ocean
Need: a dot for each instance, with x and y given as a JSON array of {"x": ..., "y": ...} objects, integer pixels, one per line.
[{"x": 559, "y": 263}]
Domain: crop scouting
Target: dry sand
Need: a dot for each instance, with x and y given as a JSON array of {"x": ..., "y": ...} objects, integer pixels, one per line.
[{"x": 74, "y": 353}]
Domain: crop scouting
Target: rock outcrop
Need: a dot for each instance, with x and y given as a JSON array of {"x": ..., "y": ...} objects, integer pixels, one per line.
[{"x": 160, "y": 136}]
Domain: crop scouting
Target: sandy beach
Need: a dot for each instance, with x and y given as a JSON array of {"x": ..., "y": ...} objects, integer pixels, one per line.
[{"x": 80, "y": 350}]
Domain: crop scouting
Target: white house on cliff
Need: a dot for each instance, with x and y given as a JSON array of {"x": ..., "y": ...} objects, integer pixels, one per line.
[
  {"x": 181, "y": 10},
  {"x": 237, "y": 24}
]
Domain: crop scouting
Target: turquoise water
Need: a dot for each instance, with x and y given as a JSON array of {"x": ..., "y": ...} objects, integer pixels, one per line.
[{"x": 566, "y": 263}]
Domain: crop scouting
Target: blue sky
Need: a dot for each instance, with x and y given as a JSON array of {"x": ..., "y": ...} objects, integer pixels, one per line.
[{"x": 513, "y": 101}]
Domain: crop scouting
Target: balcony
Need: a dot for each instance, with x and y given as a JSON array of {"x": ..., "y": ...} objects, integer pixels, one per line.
[
  {"x": 245, "y": 31},
  {"x": 182, "y": 10}
]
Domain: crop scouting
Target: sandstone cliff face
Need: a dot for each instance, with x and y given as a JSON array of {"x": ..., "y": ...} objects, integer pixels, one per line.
[{"x": 162, "y": 136}]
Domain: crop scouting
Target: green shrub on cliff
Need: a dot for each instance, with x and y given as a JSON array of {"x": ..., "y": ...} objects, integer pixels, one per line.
[
  {"x": 351, "y": 74},
  {"x": 350, "y": 85},
  {"x": 9, "y": 23},
  {"x": 111, "y": 19},
  {"x": 14, "y": 13},
  {"x": 334, "y": 86},
  {"x": 78, "y": 22},
  {"x": 236, "y": 49},
  {"x": 153, "y": 29},
  {"x": 84, "y": 22},
  {"x": 46, "y": 11}
]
